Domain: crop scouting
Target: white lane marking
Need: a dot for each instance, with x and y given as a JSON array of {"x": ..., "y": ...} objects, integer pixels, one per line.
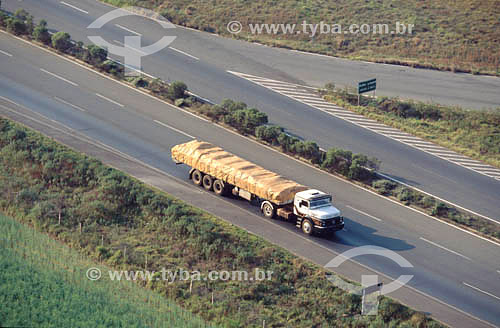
[
  {"x": 441, "y": 151},
  {"x": 172, "y": 128},
  {"x": 446, "y": 249},
  {"x": 334, "y": 111},
  {"x": 285, "y": 90},
  {"x": 59, "y": 77},
  {"x": 478, "y": 164},
  {"x": 480, "y": 290},
  {"x": 371, "y": 216},
  {"x": 69, "y": 104},
  {"x": 372, "y": 125},
  {"x": 110, "y": 100},
  {"x": 184, "y": 53},
  {"x": 127, "y": 29},
  {"x": 74, "y": 7},
  {"x": 127, "y": 46},
  {"x": 465, "y": 160},
  {"x": 498, "y": 271},
  {"x": 295, "y": 95},
  {"x": 5, "y": 53}
]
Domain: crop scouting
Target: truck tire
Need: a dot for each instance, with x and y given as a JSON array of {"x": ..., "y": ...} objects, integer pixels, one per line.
[
  {"x": 197, "y": 177},
  {"x": 268, "y": 210},
  {"x": 219, "y": 187},
  {"x": 208, "y": 182},
  {"x": 307, "y": 227}
]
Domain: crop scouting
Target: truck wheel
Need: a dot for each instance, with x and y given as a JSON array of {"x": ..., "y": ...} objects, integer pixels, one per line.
[
  {"x": 307, "y": 227},
  {"x": 219, "y": 187},
  {"x": 268, "y": 210},
  {"x": 197, "y": 177},
  {"x": 208, "y": 182}
]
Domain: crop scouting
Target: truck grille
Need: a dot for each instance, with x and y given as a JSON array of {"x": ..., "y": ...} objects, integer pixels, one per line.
[{"x": 332, "y": 221}]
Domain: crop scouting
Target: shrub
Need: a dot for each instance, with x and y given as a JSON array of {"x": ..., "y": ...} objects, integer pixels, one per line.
[
  {"x": 41, "y": 33},
  {"x": 357, "y": 171},
  {"x": 16, "y": 26},
  {"x": 246, "y": 120},
  {"x": 61, "y": 41},
  {"x": 337, "y": 160},
  {"x": 176, "y": 90},
  {"x": 112, "y": 67},
  {"x": 440, "y": 209},
  {"x": 406, "y": 195},
  {"x": 384, "y": 187},
  {"x": 97, "y": 55},
  {"x": 268, "y": 133}
]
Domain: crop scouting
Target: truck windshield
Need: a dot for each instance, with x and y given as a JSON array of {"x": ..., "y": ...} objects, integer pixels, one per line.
[{"x": 321, "y": 202}]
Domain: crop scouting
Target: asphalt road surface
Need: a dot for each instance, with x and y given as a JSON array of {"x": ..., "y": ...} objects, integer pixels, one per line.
[
  {"x": 457, "y": 271},
  {"x": 202, "y": 60}
]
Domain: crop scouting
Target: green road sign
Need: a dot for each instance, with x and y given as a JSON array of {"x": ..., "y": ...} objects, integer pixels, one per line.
[{"x": 366, "y": 86}]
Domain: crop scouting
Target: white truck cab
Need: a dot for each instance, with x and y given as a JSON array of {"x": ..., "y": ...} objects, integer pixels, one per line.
[{"x": 317, "y": 212}]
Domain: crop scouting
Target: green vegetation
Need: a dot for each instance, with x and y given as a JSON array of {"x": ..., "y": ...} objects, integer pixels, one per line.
[
  {"x": 44, "y": 284},
  {"x": 111, "y": 217},
  {"x": 473, "y": 133},
  {"x": 451, "y": 35}
]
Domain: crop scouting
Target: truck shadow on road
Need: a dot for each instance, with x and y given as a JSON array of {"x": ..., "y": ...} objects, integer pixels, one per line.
[{"x": 356, "y": 234}]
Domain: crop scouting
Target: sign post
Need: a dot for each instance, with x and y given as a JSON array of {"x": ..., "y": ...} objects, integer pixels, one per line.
[{"x": 366, "y": 86}]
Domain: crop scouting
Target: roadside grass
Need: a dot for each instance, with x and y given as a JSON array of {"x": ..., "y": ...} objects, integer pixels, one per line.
[
  {"x": 459, "y": 36},
  {"x": 43, "y": 283},
  {"x": 112, "y": 218},
  {"x": 475, "y": 134}
]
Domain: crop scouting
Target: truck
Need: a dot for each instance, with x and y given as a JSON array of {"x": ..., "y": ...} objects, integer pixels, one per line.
[{"x": 224, "y": 173}]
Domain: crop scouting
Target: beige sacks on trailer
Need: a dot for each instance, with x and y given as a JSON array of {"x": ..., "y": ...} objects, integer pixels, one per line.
[{"x": 232, "y": 169}]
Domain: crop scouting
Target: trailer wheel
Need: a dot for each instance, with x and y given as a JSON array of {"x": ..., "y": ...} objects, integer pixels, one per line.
[
  {"x": 208, "y": 182},
  {"x": 268, "y": 210},
  {"x": 219, "y": 187},
  {"x": 307, "y": 227},
  {"x": 197, "y": 177}
]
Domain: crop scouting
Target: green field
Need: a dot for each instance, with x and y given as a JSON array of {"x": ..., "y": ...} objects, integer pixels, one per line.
[
  {"x": 456, "y": 35},
  {"x": 43, "y": 284}
]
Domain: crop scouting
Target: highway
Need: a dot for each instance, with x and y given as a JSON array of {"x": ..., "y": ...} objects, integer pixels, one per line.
[
  {"x": 202, "y": 60},
  {"x": 454, "y": 271}
]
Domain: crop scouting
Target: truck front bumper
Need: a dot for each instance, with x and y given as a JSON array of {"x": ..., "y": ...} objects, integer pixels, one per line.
[{"x": 329, "y": 229}]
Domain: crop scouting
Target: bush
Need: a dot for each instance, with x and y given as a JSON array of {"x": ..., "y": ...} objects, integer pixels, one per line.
[
  {"x": 406, "y": 196},
  {"x": 384, "y": 187},
  {"x": 337, "y": 160},
  {"x": 16, "y": 26},
  {"x": 176, "y": 90},
  {"x": 41, "y": 33},
  {"x": 246, "y": 120},
  {"x": 112, "y": 67},
  {"x": 61, "y": 41},
  {"x": 97, "y": 55},
  {"x": 440, "y": 209}
]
